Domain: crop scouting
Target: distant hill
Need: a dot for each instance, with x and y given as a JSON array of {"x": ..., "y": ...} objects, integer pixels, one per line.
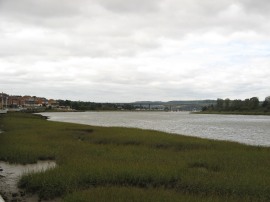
[
  {"x": 177, "y": 102},
  {"x": 185, "y": 105}
]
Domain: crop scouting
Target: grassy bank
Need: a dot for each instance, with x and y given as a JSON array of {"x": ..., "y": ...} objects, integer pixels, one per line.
[{"x": 116, "y": 164}]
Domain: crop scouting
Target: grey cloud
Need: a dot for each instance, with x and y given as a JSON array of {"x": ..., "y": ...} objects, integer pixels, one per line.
[
  {"x": 39, "y": 8},
  {"x": 184, "y": 15},
  {"x": 261, "y": 7},
  {"x": 69, "y": 30},
  {"x": 127, "y": 6}
]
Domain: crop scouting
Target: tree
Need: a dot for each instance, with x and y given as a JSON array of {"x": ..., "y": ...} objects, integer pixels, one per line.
[
  {"x": 266, "y": 103},
  {"x": 227, "y": 103},
  {"x": 204, "y": 108},
  {"x": 254, "y": 103},
  {"x": 220, "y": 103},
  {"x": 246, "y": 105},
  {"x": 236, "y": 104}
]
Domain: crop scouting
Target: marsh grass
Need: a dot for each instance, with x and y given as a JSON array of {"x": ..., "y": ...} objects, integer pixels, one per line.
[
  {"x": 142, "y": 165},
  {"x": 124, "y": 194}
]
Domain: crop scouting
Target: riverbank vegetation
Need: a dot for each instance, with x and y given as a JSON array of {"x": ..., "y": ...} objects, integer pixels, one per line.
[
  {"x": 250, "y": 106},
  {"x": 93, "y": 106},
  {"x": 122, "y": 164}
]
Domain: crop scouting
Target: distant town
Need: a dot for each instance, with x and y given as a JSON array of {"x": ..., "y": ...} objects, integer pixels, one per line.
[{"x": 18, "y": 102}]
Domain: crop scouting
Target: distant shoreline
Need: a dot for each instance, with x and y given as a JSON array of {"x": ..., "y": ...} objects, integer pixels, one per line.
[{"x": 233, "y": 113}]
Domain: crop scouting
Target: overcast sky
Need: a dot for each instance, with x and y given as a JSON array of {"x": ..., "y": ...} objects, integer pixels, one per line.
[{"x": 127, "y": 50}]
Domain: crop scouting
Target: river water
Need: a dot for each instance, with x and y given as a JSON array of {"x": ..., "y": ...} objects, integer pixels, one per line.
[
  {"x": 252, "y": 130},
  {"x": 10, "y": 175}
]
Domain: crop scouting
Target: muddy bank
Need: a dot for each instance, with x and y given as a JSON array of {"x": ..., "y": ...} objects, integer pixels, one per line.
[{"x": 10, "y": 175}]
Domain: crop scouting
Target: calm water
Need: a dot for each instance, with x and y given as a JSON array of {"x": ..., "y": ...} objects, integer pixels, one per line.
[{"x": 253, "y": 130}]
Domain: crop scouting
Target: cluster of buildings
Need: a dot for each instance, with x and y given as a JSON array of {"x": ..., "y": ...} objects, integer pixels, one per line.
[{"x": 26, "y": 102}]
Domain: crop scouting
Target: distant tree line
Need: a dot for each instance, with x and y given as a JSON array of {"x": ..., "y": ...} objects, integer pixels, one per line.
[
  {"x": 249, "y": 104},
  {"x": 93, "y": 106}
]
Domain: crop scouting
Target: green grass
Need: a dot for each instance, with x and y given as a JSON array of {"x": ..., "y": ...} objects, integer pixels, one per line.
[{"x": 116, "y": 164}]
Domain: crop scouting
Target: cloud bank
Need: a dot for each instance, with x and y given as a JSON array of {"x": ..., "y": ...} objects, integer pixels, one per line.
[{"x": 121, "y": 51}]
